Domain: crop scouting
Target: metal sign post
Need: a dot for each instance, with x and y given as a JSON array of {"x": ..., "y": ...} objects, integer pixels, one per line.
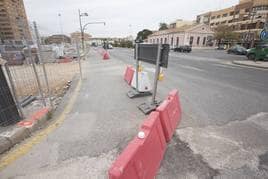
[
  {"x": 157, "y": 71},
  {"x": 79, "y": 59},
  {"x": 135, "y": 93},
  {"x": 148, "y": 107},
  {"x": 137, "y": 67}
]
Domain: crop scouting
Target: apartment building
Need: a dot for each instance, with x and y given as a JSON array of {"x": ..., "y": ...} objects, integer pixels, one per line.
[
  {"x": 13, "y": 21},
  {"x": 247, "y": 18}
]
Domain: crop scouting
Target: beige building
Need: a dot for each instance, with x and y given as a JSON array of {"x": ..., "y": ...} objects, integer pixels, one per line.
[
  {"x": 196, "y": 35},
  {"x": 57, "y": 39},
  {"x": 13, "y": 21},
  {"x": 179, "y": 23},
  {"x": 247, "y": 18},
  {"x": 76, "y": 37}
]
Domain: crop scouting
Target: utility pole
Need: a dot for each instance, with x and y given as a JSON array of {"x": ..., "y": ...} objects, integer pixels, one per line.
[
  {"x": 83, "y": 27},
  {"x": 61, "y": 28},
  {"x": 81, "y": 30}
]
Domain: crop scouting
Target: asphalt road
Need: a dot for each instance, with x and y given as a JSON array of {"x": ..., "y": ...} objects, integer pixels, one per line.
[
  {"x": 224, "y": 127},
  {"x": 213, "y": 90},
  {"x": 223, "y": 132}
]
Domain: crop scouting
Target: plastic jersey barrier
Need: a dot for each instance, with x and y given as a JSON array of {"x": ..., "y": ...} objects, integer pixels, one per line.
[{"x": 143, "y": 155}]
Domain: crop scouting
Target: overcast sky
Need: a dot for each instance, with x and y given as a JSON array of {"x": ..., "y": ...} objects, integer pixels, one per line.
[{"x": 122, "y": 17}]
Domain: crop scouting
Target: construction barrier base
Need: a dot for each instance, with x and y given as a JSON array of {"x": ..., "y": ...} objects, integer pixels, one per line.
[
  {"x": 148, "y": 107},
  {"x": 136, "y": 94}
]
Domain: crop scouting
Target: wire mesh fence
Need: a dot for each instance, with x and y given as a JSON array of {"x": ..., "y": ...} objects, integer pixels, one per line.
[
  {"x": 36, "y": 80},
  {"x": 29, "y": 82}
]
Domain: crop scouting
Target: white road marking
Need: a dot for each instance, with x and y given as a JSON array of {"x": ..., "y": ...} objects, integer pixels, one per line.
[
  {"x": 191, "y": 68},
  {"x": 226, "y": 66}
]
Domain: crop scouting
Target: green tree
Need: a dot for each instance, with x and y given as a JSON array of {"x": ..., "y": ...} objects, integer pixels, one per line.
[
  {"x": 225, "y": 33},
  {"x": 142, "y": 35},
  {"x": 163, "y": 26}
]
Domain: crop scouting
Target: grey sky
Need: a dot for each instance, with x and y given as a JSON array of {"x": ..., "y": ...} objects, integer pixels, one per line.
[{"x": 122, "y": 17}]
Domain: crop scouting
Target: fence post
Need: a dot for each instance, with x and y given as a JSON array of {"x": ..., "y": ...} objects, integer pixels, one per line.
[
  {"x": 40, "y": 56},
  {"x": 13, "y": 91},
  {"x": 35, "y": 73}
]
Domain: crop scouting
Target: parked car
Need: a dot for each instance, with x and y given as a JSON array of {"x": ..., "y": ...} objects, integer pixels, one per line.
[
  {"x": 237, "y": 50},
  {"x": 220, "y": 47},
  {"x": 107, "y": 46},
  {"x": 183, "y": 48},
  {"x": 258, "y": 53}
]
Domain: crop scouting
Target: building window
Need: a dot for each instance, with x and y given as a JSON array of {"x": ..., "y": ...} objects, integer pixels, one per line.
[
  {"x": 198, "y": 40},
  {"x": 171, "y": 43},
  {"x": 261, "y": 26},
  {"x": 230, "y": 21},
  {"x": 204, "y": 40},
  {"x": 243, "y": 27},
  {"x": 223, "y": 22},
  {"x": 237, "y": 12},
  {"x": 161, "y": 41},
  {"x": 177, "y": 42},
  {"x": 213, "y": 17},
  {"x": 153, "y": 41},
  {"x": 157, "y": 41},
  {"x": 165, "y": 41},
  {"x": 218, "y": 16},
  {"x": 247, "y": 10},
  {"x": 232, "y": 13},
  {"x": 224, "y": 15},
  {"x": 191, "y": 40},
  {"x": 212, "y": 24}
]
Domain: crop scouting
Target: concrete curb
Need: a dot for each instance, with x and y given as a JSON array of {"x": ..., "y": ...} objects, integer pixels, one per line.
[
  {"x": 19, "y": 132},
  {"x": 38, "y": 120},
  {"x": 255, "y": 66},
  {"x": 4, "y": 144}
]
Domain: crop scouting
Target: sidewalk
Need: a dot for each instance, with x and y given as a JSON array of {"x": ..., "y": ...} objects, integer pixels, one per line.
[
  {"x": 258, "y": 64},
  {"x": 101, "y": 122}
]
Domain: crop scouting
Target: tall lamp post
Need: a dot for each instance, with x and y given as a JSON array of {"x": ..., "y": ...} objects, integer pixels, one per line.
[{"x": 83, "y": 27}]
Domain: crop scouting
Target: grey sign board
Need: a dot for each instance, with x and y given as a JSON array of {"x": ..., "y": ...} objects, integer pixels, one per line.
[{"x": 148, "y": 53}]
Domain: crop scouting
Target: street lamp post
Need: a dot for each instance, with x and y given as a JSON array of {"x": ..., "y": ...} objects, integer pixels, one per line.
[{"x": 83, "y": 27}]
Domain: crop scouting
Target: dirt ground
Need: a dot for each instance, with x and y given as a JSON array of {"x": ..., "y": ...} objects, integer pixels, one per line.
[{"x": 58, "y": 75}]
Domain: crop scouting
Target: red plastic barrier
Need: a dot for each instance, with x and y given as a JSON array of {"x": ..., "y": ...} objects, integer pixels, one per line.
[
  {"x": 39, "y": 114},
  {"x": 36, "y": 116},
  {"x": 106, "y": 56},
  {"x": 142, "y": 157},
  {"x": 170, "y": 114},
  {"x": 175, "y": 94},
  {"x": 129, "y": 74}
]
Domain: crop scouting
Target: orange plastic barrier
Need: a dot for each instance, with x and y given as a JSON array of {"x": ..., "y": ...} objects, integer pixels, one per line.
[
  {"x": 106, "y": 56},
  {"x": 142, "y": 157},
  {"x": 129, "y": 74},
  {"x": 170, "y": 114}
]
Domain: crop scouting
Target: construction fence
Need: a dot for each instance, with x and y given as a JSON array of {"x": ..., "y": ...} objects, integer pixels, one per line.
[{"x": 40, "y": 81}]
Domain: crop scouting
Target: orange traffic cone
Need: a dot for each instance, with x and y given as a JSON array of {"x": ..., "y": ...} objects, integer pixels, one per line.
[{"x": 106, "y": 56}]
